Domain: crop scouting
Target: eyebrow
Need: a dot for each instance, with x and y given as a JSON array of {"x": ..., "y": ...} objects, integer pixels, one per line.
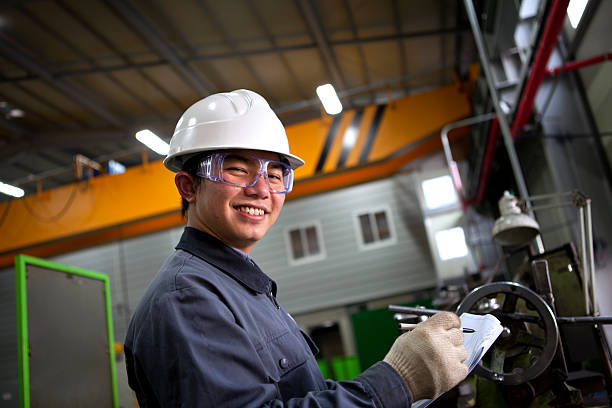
[
  {"x": 276, "y": 164},
  {"x": 237, "y": 157}
]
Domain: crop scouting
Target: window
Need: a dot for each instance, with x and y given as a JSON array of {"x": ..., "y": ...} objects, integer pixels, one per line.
[
  {"x": 374, "y": 228},
  {"x": 451, "y": 243},
  {"x": 443, "y": 218},
  {"x": 305, "y": 244},
  {"x": 438, "y": 192}
]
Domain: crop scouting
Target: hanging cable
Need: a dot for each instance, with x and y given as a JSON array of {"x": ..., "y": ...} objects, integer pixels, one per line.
[
  {"x": 5, "y": 213},
  {"x": 57, "y": 216}
]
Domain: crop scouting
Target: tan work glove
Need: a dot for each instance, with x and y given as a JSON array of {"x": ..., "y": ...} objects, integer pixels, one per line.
[{"x": 430, "y": 357}]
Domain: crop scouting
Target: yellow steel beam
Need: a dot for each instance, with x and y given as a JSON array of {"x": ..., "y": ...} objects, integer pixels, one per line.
[{"x": 144, "y": 198}]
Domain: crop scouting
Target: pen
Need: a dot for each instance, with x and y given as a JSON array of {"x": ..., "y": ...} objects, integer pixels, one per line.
[{"x": 410, "y": 326}]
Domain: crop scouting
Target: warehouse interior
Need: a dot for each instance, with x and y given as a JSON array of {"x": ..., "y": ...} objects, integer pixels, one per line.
[{"x": 449, "y": 106}]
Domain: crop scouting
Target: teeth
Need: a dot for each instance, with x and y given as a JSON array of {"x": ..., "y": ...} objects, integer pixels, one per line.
[{"x": 252, "y": 211}]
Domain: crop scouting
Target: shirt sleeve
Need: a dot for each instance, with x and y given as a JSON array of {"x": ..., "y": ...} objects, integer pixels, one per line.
[{"x": 193, "y": 353}]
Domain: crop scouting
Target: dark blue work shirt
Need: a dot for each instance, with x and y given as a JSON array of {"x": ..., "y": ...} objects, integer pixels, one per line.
[{"x": 209, "y": 333}]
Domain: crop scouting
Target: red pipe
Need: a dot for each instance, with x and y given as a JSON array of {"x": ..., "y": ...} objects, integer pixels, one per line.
[
  {"x": 553, "y": 27},
  {"x": 554, "y": 23},
  {"x": 574, "y": 65},
  {"x": 489, "y": 153}
]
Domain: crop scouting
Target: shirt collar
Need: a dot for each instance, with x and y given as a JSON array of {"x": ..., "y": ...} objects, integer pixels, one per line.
[{"x": 227, "y": 259}]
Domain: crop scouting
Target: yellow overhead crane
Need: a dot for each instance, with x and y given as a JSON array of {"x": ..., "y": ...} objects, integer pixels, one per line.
[{"x": 356, "y": 146}]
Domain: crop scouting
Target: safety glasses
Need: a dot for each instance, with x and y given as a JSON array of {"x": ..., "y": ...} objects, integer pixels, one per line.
[{"x": 244, "y": 171}]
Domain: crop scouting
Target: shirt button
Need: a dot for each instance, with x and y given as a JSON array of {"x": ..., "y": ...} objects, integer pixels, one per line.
[{"x": 283, "y": 363}]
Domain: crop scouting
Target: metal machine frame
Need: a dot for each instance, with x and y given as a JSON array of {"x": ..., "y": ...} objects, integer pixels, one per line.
[{"x": 22, "y": 321}]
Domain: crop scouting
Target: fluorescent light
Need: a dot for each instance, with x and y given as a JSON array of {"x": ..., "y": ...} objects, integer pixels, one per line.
[
  {"x": 451, "y": 243},
  {"x": 329, "y": 99},
  {"x": 153, "y": 142},
  {"x": 11, "y": 190},
  {"x": 439, "y": 192},
  {"x": 575, "y": 10}
]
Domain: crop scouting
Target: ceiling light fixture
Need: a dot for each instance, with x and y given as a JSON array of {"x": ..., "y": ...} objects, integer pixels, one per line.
[
  {"x": 575, "y": 10},
  {"x": 153, "y": 142},
  {"x": 329, "y": 98},
  {"x": 11, "y": 190}
]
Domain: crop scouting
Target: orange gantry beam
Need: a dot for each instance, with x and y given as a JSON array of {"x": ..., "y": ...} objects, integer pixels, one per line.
[{"x": 358, "y": 146}]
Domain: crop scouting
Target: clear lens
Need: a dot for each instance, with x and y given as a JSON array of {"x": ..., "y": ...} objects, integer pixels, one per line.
[{"x": 244, "y": 171}]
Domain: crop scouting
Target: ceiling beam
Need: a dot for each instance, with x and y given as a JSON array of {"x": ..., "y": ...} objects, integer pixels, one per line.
[
  {"x": 127, "y": 12},
  {"x": 75, "y": 139},
  {"x": 273, "y": 50},
  {"x": 228, "y": 39},
  {"x": 108, "y": 44},
  {"x": 35, "y": 143},
  {"x": 362, "y": 59},
  {"x": 92, "y": 62},
  {"x": 443, "y": 18},
  {"x": 263, "y": 26},
  {"x": 11, "y": 125},
  {"x": 400, "y": 44},
  {"x": 62, "y": 140},
  {"x": 72, "y": 123},
  {"x": 79, "y": 95},
  {"x": 186, "y": 44},
  {"x": 316, "y": 28}
]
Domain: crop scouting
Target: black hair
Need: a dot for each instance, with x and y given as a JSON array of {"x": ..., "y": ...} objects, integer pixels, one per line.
[{"x": 191, "y": 166}]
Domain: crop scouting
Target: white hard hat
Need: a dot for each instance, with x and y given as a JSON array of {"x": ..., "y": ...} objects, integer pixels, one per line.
[{"x": 239, "y": 119}]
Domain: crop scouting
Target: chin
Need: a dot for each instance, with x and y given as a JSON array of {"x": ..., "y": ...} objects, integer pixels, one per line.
[{"x": 250, "y": 238}]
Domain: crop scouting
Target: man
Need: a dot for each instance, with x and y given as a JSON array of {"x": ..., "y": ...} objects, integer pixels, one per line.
[{"x": 209, "y": 331}]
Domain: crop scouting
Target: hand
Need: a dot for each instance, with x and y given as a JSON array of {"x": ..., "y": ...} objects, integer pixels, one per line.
[{"x": 430, "y": 357}]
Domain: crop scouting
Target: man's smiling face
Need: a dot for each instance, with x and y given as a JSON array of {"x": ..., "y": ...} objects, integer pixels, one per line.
[{"x": 238, "y": 216}]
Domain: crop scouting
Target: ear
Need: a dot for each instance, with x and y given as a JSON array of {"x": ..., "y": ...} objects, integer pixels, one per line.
[{"x": 186, "y": 185}]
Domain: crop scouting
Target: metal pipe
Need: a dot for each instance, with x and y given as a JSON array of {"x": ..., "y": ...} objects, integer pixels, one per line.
[
  {"x": 452, "y": 165},
  {"x": 494, "y": 129},
  {"x": 548, "y": 206},
  {"x": 483, "y": 176},
  {"x": 551, "y": 32},
  {"x": 591, "y": 256},
  {"x": 413, "y": 310},
  {"x": 551, "y": 195},
  {"x": 574, "y": 65},
  {"x": 585, "y": 320},
  {"x": 587, "y": 257},
  {"x": 501, "y": 116},
  {"x": 583, "y": 260},
  {"x": 531, "y": 318}
]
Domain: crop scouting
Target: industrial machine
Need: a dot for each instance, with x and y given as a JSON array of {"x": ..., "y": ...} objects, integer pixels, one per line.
[{"x": 550, "y": 353}]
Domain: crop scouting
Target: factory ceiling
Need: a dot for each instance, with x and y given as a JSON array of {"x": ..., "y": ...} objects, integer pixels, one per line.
[{"x": 81, "y": 77}]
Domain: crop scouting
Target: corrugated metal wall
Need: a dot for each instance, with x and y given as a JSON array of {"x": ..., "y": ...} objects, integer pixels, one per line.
[{"x": 346, "y": 275}]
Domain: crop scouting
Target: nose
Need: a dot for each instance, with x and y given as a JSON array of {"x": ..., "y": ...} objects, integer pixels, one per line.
[{"x": 260, "y": 188}]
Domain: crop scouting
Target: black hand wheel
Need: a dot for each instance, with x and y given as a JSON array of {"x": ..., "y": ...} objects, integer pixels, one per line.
[{"x": 529, "y": 341}]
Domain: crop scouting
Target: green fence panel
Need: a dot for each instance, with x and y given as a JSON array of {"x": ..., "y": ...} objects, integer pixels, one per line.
[{"x": 375, "y": 331}]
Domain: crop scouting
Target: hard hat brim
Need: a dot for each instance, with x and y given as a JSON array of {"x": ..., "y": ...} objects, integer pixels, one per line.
[{"x": 176, "y": 161}]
